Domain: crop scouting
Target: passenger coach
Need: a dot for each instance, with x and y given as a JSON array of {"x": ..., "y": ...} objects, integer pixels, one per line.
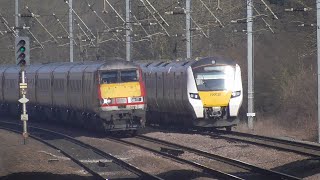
[
  {"x": 102, "y": 95},
  {"x": 205, "y": 93}
]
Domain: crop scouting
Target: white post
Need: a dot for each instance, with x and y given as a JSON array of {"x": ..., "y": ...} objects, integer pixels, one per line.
[
  {"x": 188, "y": 28},
  {"x": 71, "y": 30},
  {"x": 251, "y": 113},
  {"x": 17, "y": 16},
  {"x": 23, "y": 101},
  {"x": 128, "y": 30}
]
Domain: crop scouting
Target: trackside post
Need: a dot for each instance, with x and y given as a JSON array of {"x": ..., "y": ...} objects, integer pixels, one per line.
[{"x": 23, "y": 59}]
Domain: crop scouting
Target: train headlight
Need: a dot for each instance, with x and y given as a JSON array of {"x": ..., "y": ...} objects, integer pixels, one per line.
[
  {"x": 105, "y": 101},
  {"x": 235, "y": 94},
  {"x": 108, "y": 101},
  {"x": 194, "y": 96}
]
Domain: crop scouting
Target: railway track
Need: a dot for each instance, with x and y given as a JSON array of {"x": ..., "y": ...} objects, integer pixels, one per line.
[
  {"x": 307, "y": 149},
  {"x": 97, "y": 162},
  {"x": 215, "y": 165},
  {"x": 302, "y": 148}
]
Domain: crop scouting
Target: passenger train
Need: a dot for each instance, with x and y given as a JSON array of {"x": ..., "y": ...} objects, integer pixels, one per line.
[
  {"x": 100, "y": 95},
  {"x": 199, "y": 93}
]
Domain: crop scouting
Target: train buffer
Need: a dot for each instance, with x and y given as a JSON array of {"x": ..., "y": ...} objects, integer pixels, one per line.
[{"x": 171, "y": 151}]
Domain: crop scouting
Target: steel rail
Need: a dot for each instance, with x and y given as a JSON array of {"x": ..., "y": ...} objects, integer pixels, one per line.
[
  {"x": 267, "y": 172},
  {"x": 205, "y": 169},
  {"x": 271, "y": 142},
  {"x": 119, "y": 162},
  {"x": 302, "y": 148}
]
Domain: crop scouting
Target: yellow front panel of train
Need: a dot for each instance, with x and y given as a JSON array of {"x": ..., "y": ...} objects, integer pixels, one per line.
[
  {"x": 129, "y": 89},
  {"x": 215, "y": 98}
]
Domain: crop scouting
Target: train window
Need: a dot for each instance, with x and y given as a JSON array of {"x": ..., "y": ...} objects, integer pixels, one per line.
[
  {"x": 215, "y": 78},
  {"x": 56, "y": 86},
  {"x": 47, "y": 84},
  {"x": 165, "y": 64},
  {"x": 129, "y": 76},
  {"x": 145, "y": 79},
  {"x": 108, "y": 77},
  {"x": 43, "y": 84},
  {"x": 185, "y": 63},
  {"x": 158, "y": 64},
  {"x": 79, "y": 85}
]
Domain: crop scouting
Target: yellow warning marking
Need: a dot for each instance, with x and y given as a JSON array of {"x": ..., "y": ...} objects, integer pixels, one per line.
[{"x": 23, "y": 85}]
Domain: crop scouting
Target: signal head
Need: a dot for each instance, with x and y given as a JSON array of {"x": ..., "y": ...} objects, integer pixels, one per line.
[
  {"x": 22, "y": 51},
  {"x": 22, "y": 42},
  {"x": 22, "y": 62},
  {"x": 22, "y": 56}
]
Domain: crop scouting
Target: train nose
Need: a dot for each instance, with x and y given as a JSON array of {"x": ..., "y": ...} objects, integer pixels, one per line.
[
  {"x": 215, "y": 98},
  {"x": 213, "y": 112}
]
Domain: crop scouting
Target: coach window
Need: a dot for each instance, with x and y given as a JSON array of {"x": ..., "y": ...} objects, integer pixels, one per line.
[
  {"x": 109, "y": 77},
  {"x": 129, "y": 76}
]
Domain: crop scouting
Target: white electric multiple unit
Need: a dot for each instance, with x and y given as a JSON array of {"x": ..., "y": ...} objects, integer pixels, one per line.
[{"x": 206, "y": 92}]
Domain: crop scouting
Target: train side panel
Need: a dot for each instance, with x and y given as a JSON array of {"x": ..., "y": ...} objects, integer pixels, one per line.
[
  {"x": 2, "y": 70},
  {"x": 11, "y": 92},
  {"x": 44, "y": 85},
  {"x": 11, "y": 83},
  {"x": 160, "y": 90},
  {"x": 151, "y": 86},
  {"x": 31, "y": 74},
  {"x": 60, "y": 86},
  {"x": 75, "y": 95},
  {"x": 152, "y": 90},
  {"x": 193, "y": 96},
  {"x": 90, "y": 88},
  {"x": 90, "y": 91},
  {"x": 179, "y": 88},
  {"x": 168, "y": 92},
  {"x": 236, "y": 102},
  {"x": 178, "y": 78}
]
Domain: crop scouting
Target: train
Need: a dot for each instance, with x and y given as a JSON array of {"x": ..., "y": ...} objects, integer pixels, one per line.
[
  {"x": 105, "y": 95},
  {"x": 203, "y": 93}
]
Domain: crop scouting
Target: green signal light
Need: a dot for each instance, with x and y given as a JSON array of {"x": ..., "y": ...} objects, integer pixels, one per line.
[{"x": 22, "y": 49}]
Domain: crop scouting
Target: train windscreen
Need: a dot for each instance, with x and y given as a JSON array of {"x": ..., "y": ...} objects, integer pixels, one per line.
[
  {"x": 214, "y": 78},
  {"x": 129, "y": 76},
  {"x": 110, "y": 77}
]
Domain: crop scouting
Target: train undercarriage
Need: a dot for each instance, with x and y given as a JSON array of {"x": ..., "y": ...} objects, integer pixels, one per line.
[{"x": 125, "y": 120}]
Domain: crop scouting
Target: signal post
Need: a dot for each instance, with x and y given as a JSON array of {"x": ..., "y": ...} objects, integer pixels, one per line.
[{"x": 22, "y": 54}]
